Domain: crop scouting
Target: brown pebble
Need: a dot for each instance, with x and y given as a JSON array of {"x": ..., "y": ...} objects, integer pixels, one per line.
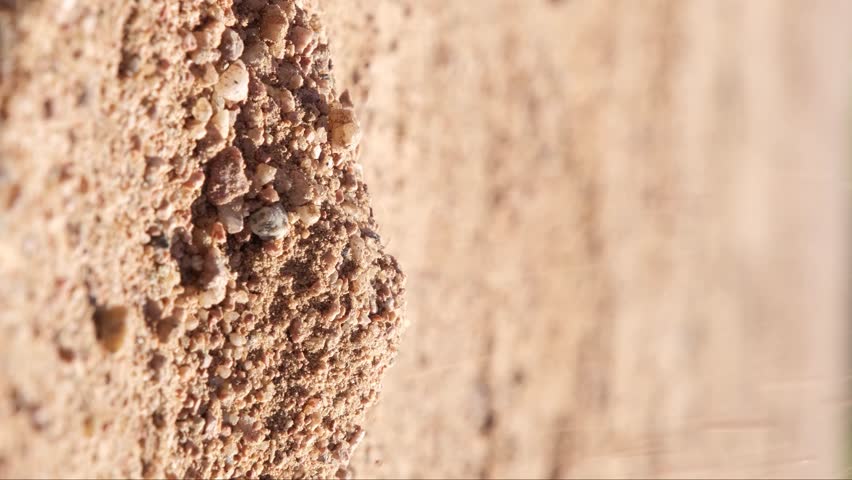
[
  {"x": 214, "y": 277},
  {"x": 195, "y": 180},
  {"x": 154, "y": 167},
  {"x": 274, "y": 29},
  {"x": 301, "y": 37},
  {"x": 111, "y": 327},
  {"x": 209, "y": 35},
  {"x": 227, "y": 177},
  {"x": 218, "y": 233},
  {"x": 343, "y": 473},
  {"x": 255, "y": 54},
  {"x": 274, "y": 248},
  {"x": 269, "y": 194},
  {"x": 297, "y": 331},
  {"x": 207, "y": 76},
  {"x": 284, "y": 98},
  {"x": 166, "y": 329}
]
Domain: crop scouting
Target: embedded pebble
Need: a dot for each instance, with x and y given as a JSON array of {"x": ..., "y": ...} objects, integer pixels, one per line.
[
  {"x": 343, "y": 474},
  {"x": 232, "y": 45},
  {"x": 359, "y": 251},
  {"x": 348, "y": 135},
  {"x": 197, "y": 130},
  {"x": 195, "y": 180},
  {"x": 204, "y": 56},
  {"x": 284, "y": 98},
  {"x": 290, "y": 76},
  {"x": 356, "y": 437},
  {"x": 309, "y": 214},
  {"x": 111, "y": 327},
  {"x": 255, "y": 54},
  {"x": 214, "y": 278},
  {"x": 264, "y": 174},
  {"x": 255, "y": 135},
  {"x": 233, "y": 83},
  {"x": 237, "y": 340},
  {"x": 167, "y": 329},
  {"x": 221, "y": 123},
  {"x": 209, "y": 36},
  {"x": 345, "y": 130},
  {"x": 208, "y": 76},
  {"x": 301, "y": 37},
  {"x": 269, "y": 222},
  {"x": 231, "y": 216},
  {"x": 268, "y": 194},
  {"x": 223, "y": 372},
  {"x": 274, "y": 29},
  {"x": 295, "y": 185},
  {"x": 241, "y": 296},
  {"x": 154, "y": 168},
  {"x": 227, "y": 177},
  {"x": 207, "y": 40},
  {"x": 202, "y": 110}
]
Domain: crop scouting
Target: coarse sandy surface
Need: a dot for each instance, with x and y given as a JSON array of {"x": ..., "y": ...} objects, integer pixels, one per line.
[
  {"x": 622, "y": 227},
  {"x": 192, "y": 281}
]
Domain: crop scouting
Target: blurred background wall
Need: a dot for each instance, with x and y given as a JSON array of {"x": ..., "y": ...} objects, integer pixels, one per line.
[{"x": 625, "y": 225}]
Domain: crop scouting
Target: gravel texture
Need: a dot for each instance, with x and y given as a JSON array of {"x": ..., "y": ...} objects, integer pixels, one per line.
[{"x": 189, "y": 252}]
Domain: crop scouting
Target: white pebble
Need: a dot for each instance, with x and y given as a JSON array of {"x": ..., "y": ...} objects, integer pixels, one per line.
[
  {"x": 205, "y": 56},
  {"x": 202, "y": 110},
  {"x": 221, "y": 123},
  {"x": 233, "y": 83},
  {"x": 241, "y": 296},
  {"x": 236, "y": 339},
  {"x": 309, "y": 214},
  {"x": 197, "y": 130}
]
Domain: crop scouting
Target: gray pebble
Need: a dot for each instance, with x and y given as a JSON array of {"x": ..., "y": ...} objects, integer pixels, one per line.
[
  {"x": 269, "y": 222},
  {"x": 231, "y": 46}
]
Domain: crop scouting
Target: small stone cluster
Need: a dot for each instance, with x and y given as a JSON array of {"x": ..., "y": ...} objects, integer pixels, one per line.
[{"x": 288, "y": 312}]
